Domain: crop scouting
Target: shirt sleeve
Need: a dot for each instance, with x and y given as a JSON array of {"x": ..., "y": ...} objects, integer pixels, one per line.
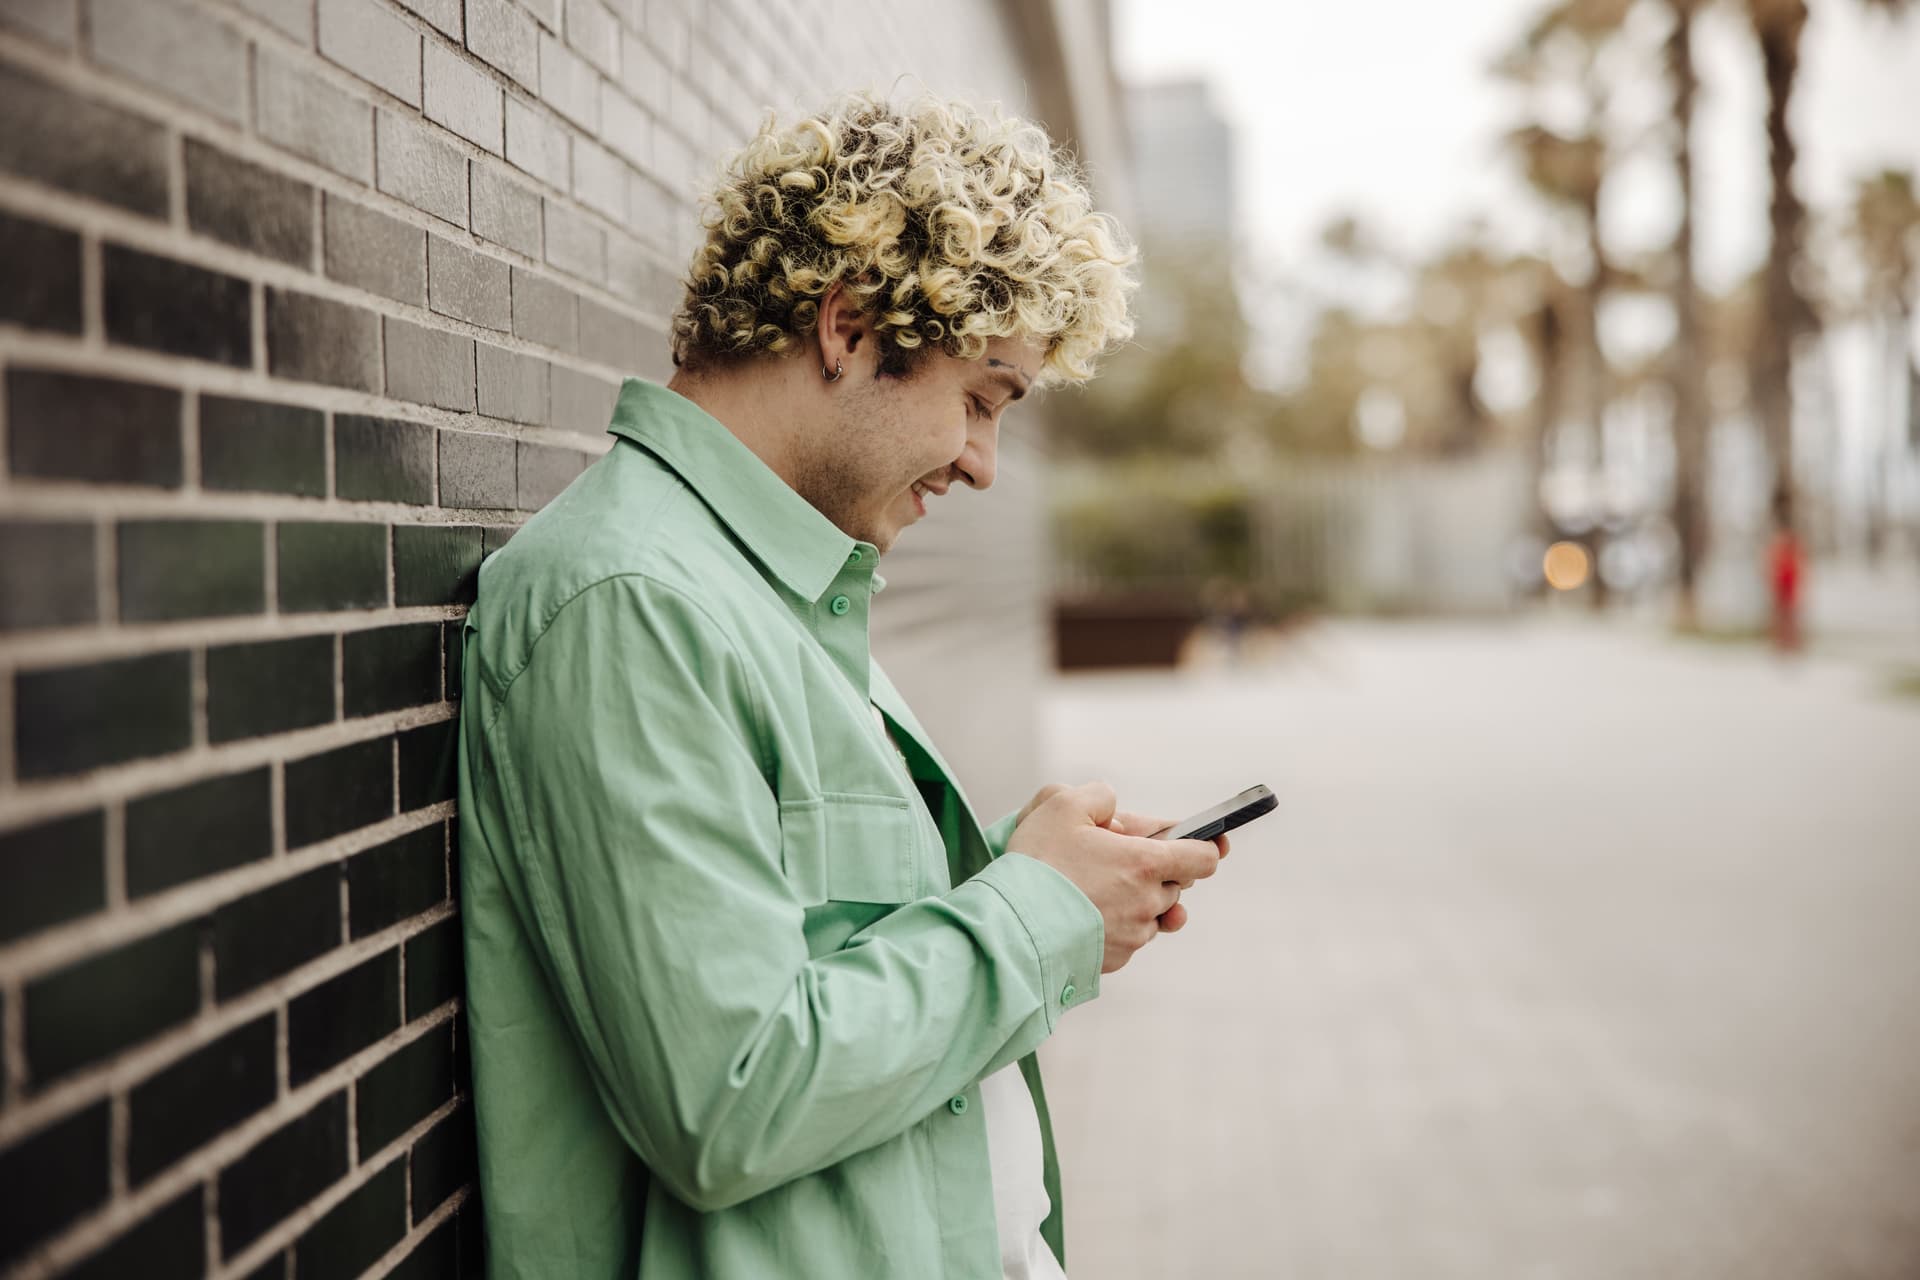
[
  {"x": 1000, "y": 832},
  {"x": 632, "y": 769}
]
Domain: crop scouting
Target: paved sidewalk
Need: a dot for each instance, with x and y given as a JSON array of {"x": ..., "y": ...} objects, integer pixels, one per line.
[{"x": 1569, "y": 953}]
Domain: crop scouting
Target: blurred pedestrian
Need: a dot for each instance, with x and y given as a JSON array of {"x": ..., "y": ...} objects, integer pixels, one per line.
[{"x": 1786, "y": 574}]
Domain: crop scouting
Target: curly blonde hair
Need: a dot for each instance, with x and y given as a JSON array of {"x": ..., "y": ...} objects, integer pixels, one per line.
[{"x": 949, "y": 227}]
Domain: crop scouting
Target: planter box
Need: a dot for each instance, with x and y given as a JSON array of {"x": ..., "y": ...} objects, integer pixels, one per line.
[{"x": 1143, "y": 631}]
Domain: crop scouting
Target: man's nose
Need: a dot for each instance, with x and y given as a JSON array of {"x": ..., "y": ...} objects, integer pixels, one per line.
[{"x": 977, "y": 462}]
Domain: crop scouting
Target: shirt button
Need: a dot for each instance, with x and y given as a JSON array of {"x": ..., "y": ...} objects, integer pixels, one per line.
[
  {"x": 957, "y": 1105},
  {"x": 1066, "y": 994},
  {"x": 840, "y": 605},
  {"x": 853, "y": 557}
]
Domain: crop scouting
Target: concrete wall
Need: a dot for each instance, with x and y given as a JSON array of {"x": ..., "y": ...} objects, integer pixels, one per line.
[{"x": 306, "y": 304}]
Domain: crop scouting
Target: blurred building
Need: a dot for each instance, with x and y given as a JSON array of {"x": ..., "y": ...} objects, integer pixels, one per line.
[
  {"x": 1183, "y": 164},
  {"x": 307, "y": 304}
]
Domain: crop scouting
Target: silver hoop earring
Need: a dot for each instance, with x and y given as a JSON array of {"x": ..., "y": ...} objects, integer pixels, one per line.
[{"x": 835, "y": 375}]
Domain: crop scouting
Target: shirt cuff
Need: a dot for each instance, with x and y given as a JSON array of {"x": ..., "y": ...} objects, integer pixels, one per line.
[
  {"x": 1068, "y": 935},
  {"x": 1000, "y": 832}
]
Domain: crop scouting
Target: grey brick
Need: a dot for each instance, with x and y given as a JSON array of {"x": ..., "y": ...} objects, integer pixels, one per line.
[
  {"x": 568, "y": 84},
  {"x": 606, "y": 336},
  {"x": 634, "y": 275},
  {"x": 429, "y": 174},
  {"x": 547, "y": 12},
  {"x": 39, "y": 276},
  {"x": 625, "y": 126},
  {"x": 502, "y": 34},
  {"x": 673, "y": 163},
  {"x": 594, "y": 34},
  {"x": 504, "y": 211},
  {"x": 582, "y": 402},
  {"x": 382, "y": 460},
  {"x": 477, "y": 470},
  {"x": 574, "y": 243},
  {"x": 246, "y": 205},
  {"x": 644, "y": 75},
  {"x": 536, "y": 143},
  {"x": 175, "y": 307},
  {"x": 599, "y": 180},
  {"x": 85, "y": 147},
  {"x": 252, "y": 446},
  {"x": 542, "y": 472},
  {"x": 512, "y": 385},
  {"x": 651, "y": 212},
  {"x": 369, "y": 250},
  {"x": 180, "y": 51},
  {"x": 65, "y": 426},
  {"x": 654, "y": 360},
  {"x": 435, "y": 564},
  {"x": 46, "y": 574},
  {"x": 311, "y": 118},
  {"x": 320, "y": 340},
  {"x": 467, "y": 285},
  {"x": 369, "y": 40},
  {"x": 294, "y": 17},
  {"x": 49, "y": 20},
  {"x": 444, "y": 14},
  {"x": 429, "y": 366},
  {"x": 544, "y": 312},
  {"x": 462, "y": 98},
  {"x": 689, "y": 114},
  {"x": 668, "y": 31},
  {"x": 171, "y": 569}
]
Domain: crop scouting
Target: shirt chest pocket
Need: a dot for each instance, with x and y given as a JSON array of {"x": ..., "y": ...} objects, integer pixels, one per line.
[{"x": 851, "y": 847}]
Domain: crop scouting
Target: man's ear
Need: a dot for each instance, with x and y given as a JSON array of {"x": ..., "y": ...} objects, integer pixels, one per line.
[{"x": 843, "y": 333}]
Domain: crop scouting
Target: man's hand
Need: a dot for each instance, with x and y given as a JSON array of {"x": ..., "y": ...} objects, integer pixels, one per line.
[
  {"x": 1133, "y": 881},
  {"x": 1174, "y": 918}
]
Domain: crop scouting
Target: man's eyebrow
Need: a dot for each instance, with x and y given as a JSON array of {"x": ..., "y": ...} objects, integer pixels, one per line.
[{"x": 1012, "y": 376}]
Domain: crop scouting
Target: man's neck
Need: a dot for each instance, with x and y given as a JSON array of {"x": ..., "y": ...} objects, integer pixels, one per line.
[{"x": 753, "y": 403}]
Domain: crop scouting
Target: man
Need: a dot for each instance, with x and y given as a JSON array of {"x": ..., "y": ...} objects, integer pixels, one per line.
[{"x": 751, "y": 992}]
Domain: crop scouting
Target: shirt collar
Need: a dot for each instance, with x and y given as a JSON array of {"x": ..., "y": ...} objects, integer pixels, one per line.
[{"x": 798, "y": 545}]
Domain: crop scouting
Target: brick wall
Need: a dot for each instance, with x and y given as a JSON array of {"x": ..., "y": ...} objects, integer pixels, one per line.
[{"x": 306, "y": 303}]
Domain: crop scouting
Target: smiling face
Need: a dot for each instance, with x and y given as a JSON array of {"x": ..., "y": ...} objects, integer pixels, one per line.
[{"x": 896, "y": 443}]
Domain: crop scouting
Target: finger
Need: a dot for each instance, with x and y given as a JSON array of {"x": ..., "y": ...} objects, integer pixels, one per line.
[
  {"x": 1040, "y": 797},
  {"x": 1134, "y": 824},
  {"x": 1095, "y": 799},
  {"x": 1174, "y": 919},
  {"x": 1225, "y": 844},
  {"x": 1186, "y": 859}
]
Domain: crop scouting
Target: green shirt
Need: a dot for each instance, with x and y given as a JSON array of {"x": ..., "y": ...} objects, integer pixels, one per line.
[{"x": 734, "y": 969}]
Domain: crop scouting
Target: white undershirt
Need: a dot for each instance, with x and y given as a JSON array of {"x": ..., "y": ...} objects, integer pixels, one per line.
[
  {"x": 1020, "y": 1202},
  {"x": 1018, "y": 1164}
]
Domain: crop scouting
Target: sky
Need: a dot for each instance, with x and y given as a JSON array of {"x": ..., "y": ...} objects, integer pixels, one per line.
[{"x": 1385, "y": 108}]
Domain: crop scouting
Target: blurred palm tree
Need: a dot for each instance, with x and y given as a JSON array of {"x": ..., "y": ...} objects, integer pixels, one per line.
[
  {"x": 1885, "y": 231},
  {"x": 1561, "y": 59},
  {"x": 1427, "y": 362},
  {"x": 1778, "y": 26},
  {"x": 1686, "y": 369},
  {"x": 1180, "y": 389}
]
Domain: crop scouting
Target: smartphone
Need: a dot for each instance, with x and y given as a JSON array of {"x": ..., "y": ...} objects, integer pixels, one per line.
[{"x": 1223, "y": 817}]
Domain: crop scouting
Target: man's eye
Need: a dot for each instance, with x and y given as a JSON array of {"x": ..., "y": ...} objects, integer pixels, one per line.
[{"x": 976, "y": 406}]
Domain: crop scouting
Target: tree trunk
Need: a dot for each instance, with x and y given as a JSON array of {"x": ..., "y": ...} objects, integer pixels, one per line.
[
  {"x": 1685, "y": 373},
  {"x": 1597, "y": 387},
  {"x": 1778, "y": 25},
  {"x": 1549, "y": 347}
]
